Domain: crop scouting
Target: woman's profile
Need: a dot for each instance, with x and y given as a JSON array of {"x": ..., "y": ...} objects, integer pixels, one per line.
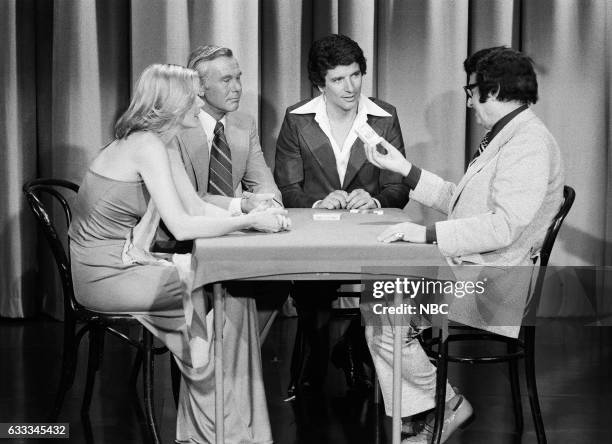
[{"x": 125, "y": 191}]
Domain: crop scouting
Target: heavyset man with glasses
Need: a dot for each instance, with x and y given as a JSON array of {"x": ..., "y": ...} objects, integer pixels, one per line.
[{"x": 498, "y": 213}]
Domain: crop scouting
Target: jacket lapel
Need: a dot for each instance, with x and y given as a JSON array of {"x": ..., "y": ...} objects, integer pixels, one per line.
[
  {"x": 358, "y": 156},
  {"x": 236, "y": 137},
  {"x": 321, "y": 149},
  {"x": 194, "y": 150},
  {"x": 355, "y": 162},
  {"x": 490, "y": 152}
]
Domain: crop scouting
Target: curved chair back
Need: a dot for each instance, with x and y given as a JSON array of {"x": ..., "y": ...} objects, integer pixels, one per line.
[
  {"x": 95, "y": 324},
  {"x": 551, "y": 235},
  {"x": 517, "y": 349},
  {"x": 58, "y": 189}
]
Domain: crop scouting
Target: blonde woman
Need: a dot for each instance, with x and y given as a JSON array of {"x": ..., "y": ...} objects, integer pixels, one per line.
[{"x": 130, "y": 178}]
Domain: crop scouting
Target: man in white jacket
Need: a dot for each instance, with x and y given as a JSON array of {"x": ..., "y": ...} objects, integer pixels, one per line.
[{"x": 498, "y": 213}]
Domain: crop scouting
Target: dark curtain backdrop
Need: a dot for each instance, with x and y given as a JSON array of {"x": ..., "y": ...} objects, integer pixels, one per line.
[{"x": 67, "y": 68}]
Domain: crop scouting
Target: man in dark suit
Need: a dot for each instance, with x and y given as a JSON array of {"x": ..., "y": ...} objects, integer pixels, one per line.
[{"x": 320, "y": 163}]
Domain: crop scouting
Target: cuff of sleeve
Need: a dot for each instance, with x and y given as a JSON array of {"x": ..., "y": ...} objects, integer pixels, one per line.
[
  {"x": 413, "y": 177},
  {"x": 314, "y": 205},
  {"x": 377, "y": 202},
  {"x": 235, "y": 207},
  {"x": 430, "y": 234}
]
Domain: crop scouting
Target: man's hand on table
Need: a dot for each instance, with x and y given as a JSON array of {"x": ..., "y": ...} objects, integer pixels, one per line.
[
  {"x": 333, "y": 201},
  {"x": 270, "y": 220},
  {"x": 360, "y": 199},
  {"x": 340, "y": 199},
  {"x": 406, "y": 231}
]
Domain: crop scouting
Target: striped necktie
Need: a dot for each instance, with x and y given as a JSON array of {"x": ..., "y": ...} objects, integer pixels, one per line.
[
  {"x": 220, "y": 168},
  {"x": 483, "y": 145}
]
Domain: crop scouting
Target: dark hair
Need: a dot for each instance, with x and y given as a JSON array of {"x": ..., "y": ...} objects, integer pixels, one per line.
[
  {"x": 504, "y": 71},
  {"x": 331, "y": 51}
]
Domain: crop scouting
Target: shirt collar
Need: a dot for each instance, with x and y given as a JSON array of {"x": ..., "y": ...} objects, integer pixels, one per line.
[
  {"x": 317, "y": 106},
  {"x": 209, "y": 122},
  {"x": 499, "y": 125}
]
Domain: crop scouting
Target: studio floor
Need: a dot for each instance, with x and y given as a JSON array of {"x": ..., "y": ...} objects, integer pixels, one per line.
[{"x": 574, "y": 364}]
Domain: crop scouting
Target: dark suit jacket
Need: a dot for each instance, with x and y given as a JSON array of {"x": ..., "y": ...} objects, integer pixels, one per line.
[{"x": 305, "y": 170}]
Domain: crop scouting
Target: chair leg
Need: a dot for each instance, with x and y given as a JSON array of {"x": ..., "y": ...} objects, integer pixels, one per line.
[
  {"x": 135, "y": 369},
  {"x": 516, "y": 390},
  {"x": 297, "y": 359},
  {"x": 441, "y": 376},
  {"x": 378, "y": 410},
  {"x": 147, "y": 378},
  {"x": 87, "y": 430},
  {"x": 376, "y": 387},
  {"x": 532, "y": 389},
  {"x": 69, "y": 359},
  {"x": 175, "y": 373},
  {"x": 96, "y": 349}
]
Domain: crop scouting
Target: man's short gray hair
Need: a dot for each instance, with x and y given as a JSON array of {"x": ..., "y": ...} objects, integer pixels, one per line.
[{"x": 206, "y": 53}]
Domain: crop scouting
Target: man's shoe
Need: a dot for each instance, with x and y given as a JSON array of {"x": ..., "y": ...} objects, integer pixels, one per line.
[
  {"x": 459, "y": 416},
  {"x": 411, "y": 427}
]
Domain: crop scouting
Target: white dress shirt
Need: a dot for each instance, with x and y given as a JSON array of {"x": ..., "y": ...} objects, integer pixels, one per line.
[{"x": 342, "y": 153}]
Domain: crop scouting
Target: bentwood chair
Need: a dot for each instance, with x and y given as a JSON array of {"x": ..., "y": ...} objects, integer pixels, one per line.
[
  {"x": 87, "y": 321},
  {"x": 520, "y": 348}
]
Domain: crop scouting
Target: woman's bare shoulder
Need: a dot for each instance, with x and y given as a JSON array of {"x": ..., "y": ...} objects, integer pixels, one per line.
[
  {"x": 143, "y": 139},
  {"x": 143, "y": 145}
]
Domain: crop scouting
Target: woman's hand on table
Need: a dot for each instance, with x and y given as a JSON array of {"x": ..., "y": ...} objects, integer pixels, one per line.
[
  {"x": 270, "y": 220},
  {"x": 393, "y": 160},
  {"x": 406, "y": 231},
  {"x": 255, "y": 202}
]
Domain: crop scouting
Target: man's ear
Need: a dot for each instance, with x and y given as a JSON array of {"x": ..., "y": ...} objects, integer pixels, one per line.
[
  {"x": 494, "y": 93},
  {"x": 203, "y": 88},
  {"x": 320, "y": 89}
]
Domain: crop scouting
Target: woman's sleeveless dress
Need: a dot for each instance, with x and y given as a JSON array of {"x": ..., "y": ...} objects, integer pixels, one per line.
[{"x": 104, "y": 214}]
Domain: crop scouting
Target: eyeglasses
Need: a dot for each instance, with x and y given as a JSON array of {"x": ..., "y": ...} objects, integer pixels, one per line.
[{"x": 468, "y": 89}]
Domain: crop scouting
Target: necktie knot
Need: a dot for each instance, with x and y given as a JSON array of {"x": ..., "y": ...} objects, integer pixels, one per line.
[
  {"x": 481, "y": 147},
  {"x": 219, "y": 129},
  {"x": 484, "y": 143}
]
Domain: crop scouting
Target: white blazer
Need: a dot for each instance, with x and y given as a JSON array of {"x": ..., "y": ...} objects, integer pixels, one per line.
[{"x": 500, "y": 210}]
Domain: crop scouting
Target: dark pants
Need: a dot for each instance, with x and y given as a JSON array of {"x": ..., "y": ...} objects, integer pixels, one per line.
[{"x": 313, "y": 303}]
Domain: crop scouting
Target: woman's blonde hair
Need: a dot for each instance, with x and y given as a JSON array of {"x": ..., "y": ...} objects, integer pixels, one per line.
[{"x": 162, "y": 97}]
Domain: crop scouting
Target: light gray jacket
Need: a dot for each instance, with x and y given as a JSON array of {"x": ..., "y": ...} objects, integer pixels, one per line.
[
  {"x": 249, "y": 169},
  {"x": 500, "y": 210}
]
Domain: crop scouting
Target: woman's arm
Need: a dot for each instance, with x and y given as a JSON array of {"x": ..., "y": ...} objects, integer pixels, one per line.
[
  {"x": 152, "y": 163},
  {"x": 193, "y": 203}
]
